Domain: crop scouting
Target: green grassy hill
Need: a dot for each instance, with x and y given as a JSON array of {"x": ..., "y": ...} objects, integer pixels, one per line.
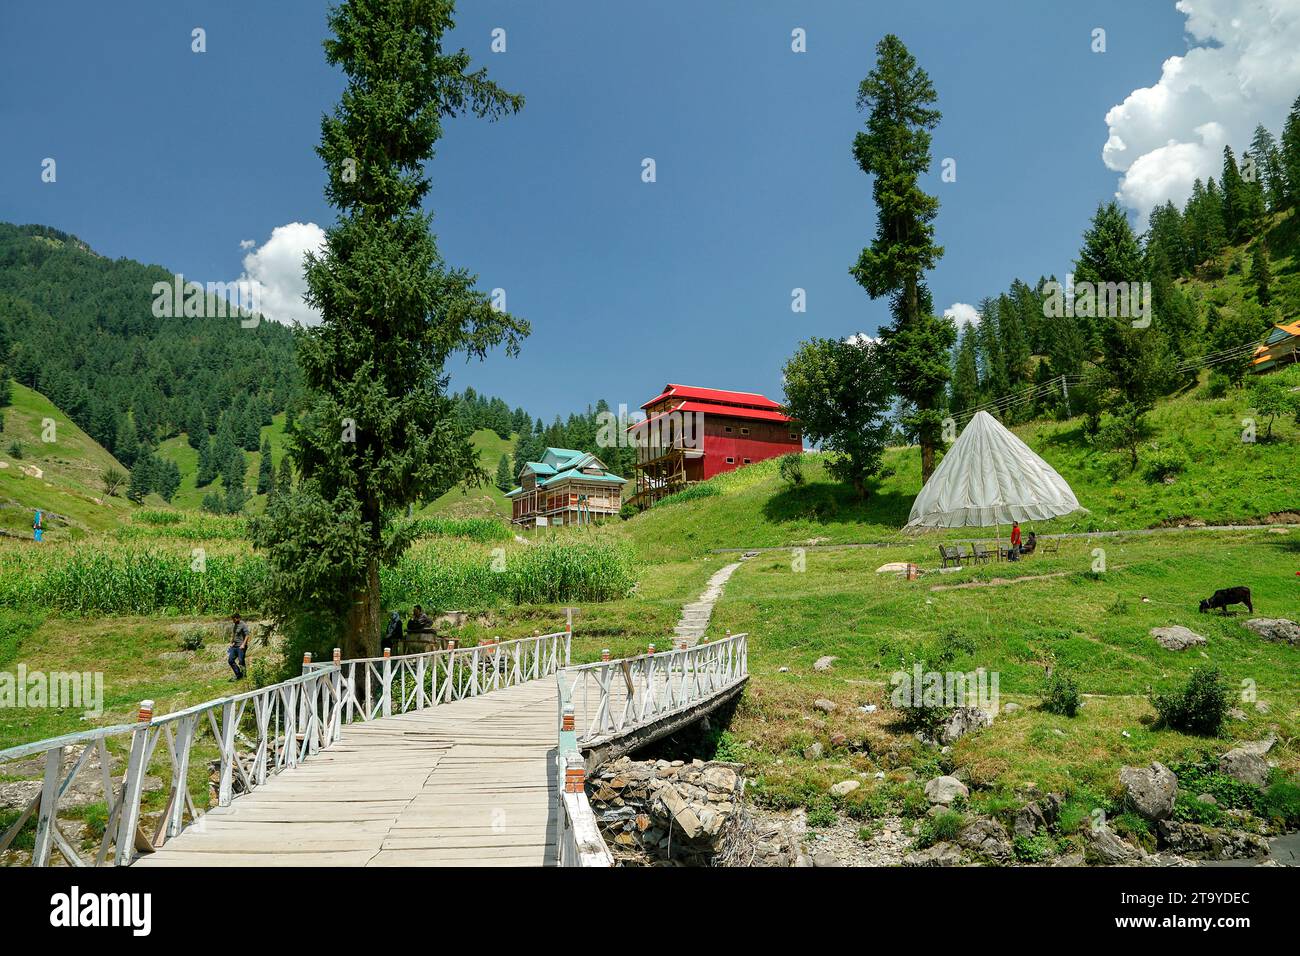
[
  {"x": 68, "y": 487},
  {"x": 486, "y": 500},
  {"x": 1226, "y": 481}
]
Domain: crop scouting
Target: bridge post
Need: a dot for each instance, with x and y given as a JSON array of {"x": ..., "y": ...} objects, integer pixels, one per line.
[
  {"x": 388, "y": 682},
  {"x": 226, "y": 787},
  {"x": 306, "y": 661},
  {"x": 129, "y": 812}
]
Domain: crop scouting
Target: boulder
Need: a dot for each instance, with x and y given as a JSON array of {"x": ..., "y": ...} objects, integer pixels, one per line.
[
  {"x": 941, "y": 854},
  {"x": 813, "y": 751},
  {"x": 1276, "y": 629},
  {"x": 962, "y": 722},
  {"x": 1149, "y": 791},
  {"x": 1241, "y": 764},
  {"x": 1199, "y": 842},
  {"x": 945, "y": 790},
  {"x": 824, "y": 663},
  {"x": 824, "y": 705},
  {"x": 1104, "y": 847},
  {"x": 822, "y": 859},
  {"x": 1176, "y": 637},
  {"x": 1029, "y": 820},
  {"x": 845, "y": 787},
  {"x": 987, "y": 838}
]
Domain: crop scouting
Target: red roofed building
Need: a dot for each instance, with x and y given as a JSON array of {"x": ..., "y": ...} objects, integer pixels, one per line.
[{"x": 691, "y": 434}]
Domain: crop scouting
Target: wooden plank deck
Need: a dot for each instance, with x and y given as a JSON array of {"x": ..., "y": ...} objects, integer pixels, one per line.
[{"x": 468, "y": 783}]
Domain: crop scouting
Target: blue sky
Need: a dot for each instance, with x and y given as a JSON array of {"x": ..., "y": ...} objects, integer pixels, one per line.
[{"x": 173, "y": 157}]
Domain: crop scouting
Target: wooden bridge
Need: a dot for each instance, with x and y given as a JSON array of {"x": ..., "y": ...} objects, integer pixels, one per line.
[{"x": 471, "y": 756}]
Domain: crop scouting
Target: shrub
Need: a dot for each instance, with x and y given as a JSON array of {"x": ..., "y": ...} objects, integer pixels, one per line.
[
  {"x": 1163, "y": 464},
  {"x": 791, "y": 468},
  {"x": 1203, "y": 776},
  {"x": 1192, "y": 810},
  {"x": 1217, "y": 385},
  {"x": 1281, "y": 803},
  {"x": 1061, "y": 694},
  {"x": 628, "y": 511},
  {"x": 1199, "y": 707},
  {"x": 940, "y": 828},
  {"x": 16, "y": 449},
  {"x": 1033, "y": 849},
  {"x": 192, "y": 639}
]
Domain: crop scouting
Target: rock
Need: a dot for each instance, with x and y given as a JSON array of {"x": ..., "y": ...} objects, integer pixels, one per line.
[
  {"x": 822, "y": 858},
  {"x": 1199, "y": 842},
  {"x": 1261, "y": 706},
  {"x": 824, "y": 663},
  {"x": 839, "y": 740},
  {"x": 813, "y": 751},
  {"x": 941, "y": 854},
  {"x": 1259, "y": 747},
  {"x": 1029, "y": 820},
  {"x": 1276, "y": 629},
  {"x": 1245, "y": 766},
  {"x": 719, "y": 779},
  {"x": 987, "y": 838},
  {"x": 1010, "y": 708},
  {"x": 1105, "y": 847},
  {"x": 1207, "y": 798},
  {"x": 945, "y": 790},
  {"x": 1176, "y": 637},
  {"x": 824, "y": 705},
  {"x": 1150, "y": 791},
  {"x": 1237, "y": 713},
  {"x": 783, "y": 670},
  {"x": 845, "y": 787},
  {"x": 963, "y": 721},
  {"x": 1069, "y": 859}
]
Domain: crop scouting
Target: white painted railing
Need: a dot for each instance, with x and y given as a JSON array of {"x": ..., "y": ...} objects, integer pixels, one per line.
[
  {"x": 376, "y": 687},
  {"x": 257, "y": 734},
  {"x": 580, "y": 842},
  {"x": 254, "y": 736},
  {"x": 618, "y": 696}
]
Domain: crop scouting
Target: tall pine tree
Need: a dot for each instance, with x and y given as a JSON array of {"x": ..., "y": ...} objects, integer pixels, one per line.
[
  {"x": 894, "y": 150},
  {"x": 378, "y": 431}
]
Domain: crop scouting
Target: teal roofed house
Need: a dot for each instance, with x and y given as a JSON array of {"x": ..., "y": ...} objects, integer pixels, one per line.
[{"x": 565, "y": 487}]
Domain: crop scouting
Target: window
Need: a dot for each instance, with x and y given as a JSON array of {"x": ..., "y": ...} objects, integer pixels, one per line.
[
  {"x": 794, "y": 436},
  {"x": 731, "y": 461},
  {"x": 744, "y": 431},
  {"x": 747, "y": 462},
  {"x": 726, "y": 429}
]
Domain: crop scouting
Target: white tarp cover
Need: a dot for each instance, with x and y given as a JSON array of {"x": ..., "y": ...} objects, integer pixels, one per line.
[{"x": 989, "y": 477}]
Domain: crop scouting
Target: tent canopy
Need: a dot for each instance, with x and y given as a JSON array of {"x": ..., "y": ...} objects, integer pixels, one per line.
[{"x": 988, "y": 477}]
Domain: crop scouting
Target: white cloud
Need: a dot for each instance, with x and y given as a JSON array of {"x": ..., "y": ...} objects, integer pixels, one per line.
[
  {"x": 275, "y": 270},
  {"x": 962, "y": 314},
  {"x": 862, "y": 338},
  {"x": 246, "y": 243},
  {"x": 1241, "y": 71}
]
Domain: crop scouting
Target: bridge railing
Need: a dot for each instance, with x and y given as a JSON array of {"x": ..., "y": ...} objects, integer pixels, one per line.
[
  {"x": 375, "y": 687},
  {"x": 580, "y": 842},
  {"x": 617, "y": 696},
  {"x": 254, "y": 735}
]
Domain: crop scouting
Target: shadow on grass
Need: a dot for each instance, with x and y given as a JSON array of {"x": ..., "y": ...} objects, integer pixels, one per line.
[{"x": 826, "y": 502}]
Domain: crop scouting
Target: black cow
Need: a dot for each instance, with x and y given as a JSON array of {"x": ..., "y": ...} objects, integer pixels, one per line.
[{"x": 1225, "y": 596}]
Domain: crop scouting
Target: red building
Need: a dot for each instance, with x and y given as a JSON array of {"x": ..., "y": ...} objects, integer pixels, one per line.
[{"x": 691, "y": 434}]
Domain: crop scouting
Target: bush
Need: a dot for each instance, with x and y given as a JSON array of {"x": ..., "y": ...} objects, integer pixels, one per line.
[
  {"x": 1199, "y": 707},
  {"x": 1217, "y": 385},
  {"x": 791, "y": 468},
  {"x": 1033, "y": 849},
  {"x": 940, "y": 828},
  {"x": 1061, "y": 694},
  {"x": 1203, "y": 776},
  {"x": 192, "y": 639},
  {"x": 1191, "y": 810},
  {"x": 1281, "y": 803},
  {"x": 1163, "y": 464},
  {"x": 628, "y": 511},
  {"x": 16, "y": 449}
]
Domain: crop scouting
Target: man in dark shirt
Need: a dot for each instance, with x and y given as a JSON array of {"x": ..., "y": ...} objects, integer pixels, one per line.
[
  {"x": 420, "y": 622},
  {"x": 237, "y": 652}
]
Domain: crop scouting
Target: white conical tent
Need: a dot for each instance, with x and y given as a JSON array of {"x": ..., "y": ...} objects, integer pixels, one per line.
[{"x": 990, "y": 477}]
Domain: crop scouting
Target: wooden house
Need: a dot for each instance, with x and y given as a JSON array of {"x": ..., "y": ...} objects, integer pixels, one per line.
[
  {"x": 1278, "y": 349},
  {"x": 566, "y": 487},
  {"x": 690, "y": 434}
]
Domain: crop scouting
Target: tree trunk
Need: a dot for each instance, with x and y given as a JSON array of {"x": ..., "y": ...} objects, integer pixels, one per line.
[
  {"x": 361, "y": 638},
  {"x": 927, "y": 458}
]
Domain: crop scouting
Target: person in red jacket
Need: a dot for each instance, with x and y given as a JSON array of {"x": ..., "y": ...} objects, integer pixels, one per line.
[{"x": 1014, "y": 553}]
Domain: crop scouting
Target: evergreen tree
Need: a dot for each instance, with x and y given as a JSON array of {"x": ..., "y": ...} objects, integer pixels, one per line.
[
  {"x": 504, "y": 480},
  {"x": 378, "y": 432},
  {"x": 1289, "y": 155},
  {"x": 1234, "y": 198},
  {"x": 265, "y": 470},
  {"x": 142, "y": 475},
  {"x": 965, "y": 376},
  {"x": 1015, "y": 347},
  {"x": 1261, "y": 274},
  {"x": 196, "y": 431},
  {"x": 1268, "y": 167},
  {"x": 6, "y": 347},
  {"x": 894, "y": 150},
  {"x": 167, "y": 479},
  {"x": 207, "y": 471},
  {"x": 126, "y": 447},
  {"x": 284, "y": 477},
  {"x": 993, "y": 367}
]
